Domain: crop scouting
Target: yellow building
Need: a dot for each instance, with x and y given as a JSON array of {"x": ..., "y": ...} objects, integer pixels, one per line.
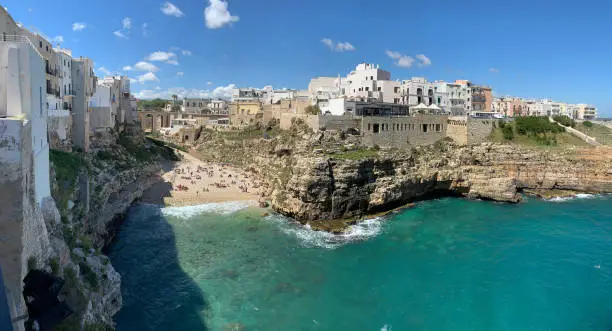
[{"x": 245, "y": 112}]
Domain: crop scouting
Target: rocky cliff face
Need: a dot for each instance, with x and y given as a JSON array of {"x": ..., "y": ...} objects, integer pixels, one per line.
[
  {"x": 327, "y": 179},
  {"x": 90, "y": 200}
]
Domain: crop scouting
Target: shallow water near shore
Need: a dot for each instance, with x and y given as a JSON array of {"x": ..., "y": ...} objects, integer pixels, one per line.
[{"x": 448, "y": 264}]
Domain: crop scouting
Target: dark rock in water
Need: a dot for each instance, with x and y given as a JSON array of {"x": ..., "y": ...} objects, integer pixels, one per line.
[
  {"x": 234, "y": 327},
  {"x": 265, "y": 214},
  {"x": 252, "y": 228}
]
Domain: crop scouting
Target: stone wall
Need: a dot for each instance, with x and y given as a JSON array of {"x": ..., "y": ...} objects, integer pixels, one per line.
[
  {"x": 457, "y": 129},
  {"x": 479, "y": 130},
  {"x": 311, "y": 120},
  {"x": 339, "y": 123},
  {"x": 240, "y": 119},
  {"x": 469, "y": 131},
  {"x": 401, "y": 132},
  {"x": 60, "y": 133}
]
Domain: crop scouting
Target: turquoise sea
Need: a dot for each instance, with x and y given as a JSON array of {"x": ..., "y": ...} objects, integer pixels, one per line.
[{"x": 448, "y": 264}]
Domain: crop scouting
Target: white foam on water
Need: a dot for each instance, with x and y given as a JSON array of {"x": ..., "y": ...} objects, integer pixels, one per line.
[
  {"x": 216, "y": 208},
  {"x": 311, "y": 238},
  {"x": 386, "y": 327},
  {"x": 577, "y": 196}
]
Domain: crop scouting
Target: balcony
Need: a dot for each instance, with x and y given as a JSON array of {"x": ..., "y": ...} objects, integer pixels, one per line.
[
  {"x": 51, "y": 71},
  {"x": 52, "y": 91}
]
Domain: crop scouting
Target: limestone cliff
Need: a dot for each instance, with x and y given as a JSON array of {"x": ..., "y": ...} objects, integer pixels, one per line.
[
  {"x": 318, "y": 178},
  {"x": 92, "y": 191}
]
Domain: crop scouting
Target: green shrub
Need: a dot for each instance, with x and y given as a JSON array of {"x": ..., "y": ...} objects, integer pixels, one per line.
[
  {"x": 376, "y": 147},
  {"x": 587, "y": 124},
  {"x": 508, "y": 132},
  {"x": 90, "y": 276},
  {"x": 32, "y": 264},
  {"x": 105, "y": 155},
  {"x": 312, "y": 110},
  {"x": 564, "y": 120},
  {"x": 54, "y": 264},
  {"x": 533, "y": 125}
]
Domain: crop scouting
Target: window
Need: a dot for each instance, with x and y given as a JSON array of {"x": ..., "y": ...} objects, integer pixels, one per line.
[
  {"x": 376, "y": 128},
  {"x": 367, "y": 88},
  {"x": 439, "y": 100},
  {"x": 371, "y": 77},
  {"x": 369, "y": 127},
  {"x": 396, "y": 89},
  {"x": 379, "y": 89},
  {"x": 438, "y": 128},
  {"x": 40, "y": 44},
  {"x": 424, "y": 127}
]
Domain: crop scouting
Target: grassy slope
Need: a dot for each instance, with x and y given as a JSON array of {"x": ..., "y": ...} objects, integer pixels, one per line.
[
  {"x": 602, "y": 133},
  {"x": 563, "y": 140}
]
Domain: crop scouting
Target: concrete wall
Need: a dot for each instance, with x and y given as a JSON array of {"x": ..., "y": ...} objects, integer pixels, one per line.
[
  {"x": 100, "y": 117},
  {"x": 60, "y": 132},
  {"x": 402, "y": 132},
  {"x": 22, "y": 228},
  {"x": 80, "y": 115}
]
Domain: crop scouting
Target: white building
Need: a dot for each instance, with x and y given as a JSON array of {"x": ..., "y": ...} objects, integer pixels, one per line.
[
  {"x": 194, "y": 105},
  {"x": 22, "y": 91},
  {"x": 218, "y": 107},
  {"x": 370, "y": 83}
]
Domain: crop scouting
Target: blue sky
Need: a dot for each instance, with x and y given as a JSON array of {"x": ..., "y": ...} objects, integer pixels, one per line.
[{"x": 531, "y": 48}]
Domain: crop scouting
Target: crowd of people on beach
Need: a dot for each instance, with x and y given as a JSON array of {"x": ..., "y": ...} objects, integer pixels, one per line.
[{"x": 225, "y": 179}]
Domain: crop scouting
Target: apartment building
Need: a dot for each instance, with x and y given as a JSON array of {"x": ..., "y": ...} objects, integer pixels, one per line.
[
  {"x": 482, "y": 98},
  {"x": 64, "y": 58}
]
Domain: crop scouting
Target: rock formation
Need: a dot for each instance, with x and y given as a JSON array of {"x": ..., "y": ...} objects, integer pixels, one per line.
[{"x": 328, "y": 180}]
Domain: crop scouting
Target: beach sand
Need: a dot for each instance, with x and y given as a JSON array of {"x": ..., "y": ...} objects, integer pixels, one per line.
[{"x": 205, "y": 182}]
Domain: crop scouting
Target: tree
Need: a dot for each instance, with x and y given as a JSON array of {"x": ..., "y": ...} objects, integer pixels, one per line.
[
  {"x": 312, "y": 110},
  {"x": 174, "y": 97}
]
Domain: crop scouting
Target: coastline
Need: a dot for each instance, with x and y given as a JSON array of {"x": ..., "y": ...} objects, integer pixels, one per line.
[{"x": 192, "y": 182}]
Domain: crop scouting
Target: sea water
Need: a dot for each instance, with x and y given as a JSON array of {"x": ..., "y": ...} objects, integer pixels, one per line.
[{"x": 448, "y": 264}]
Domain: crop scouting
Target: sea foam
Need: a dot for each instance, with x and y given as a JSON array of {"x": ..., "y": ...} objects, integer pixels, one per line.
[
  {"x": 311, "y": 238},
  {"x": 216, "y": 208},
  {"x": 577, "y": 196}
]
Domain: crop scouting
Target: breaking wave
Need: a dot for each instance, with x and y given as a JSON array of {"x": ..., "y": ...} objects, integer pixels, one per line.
[
  {"x": 577, "y": 196},
  {"x": 217, "y": 208},
  {"x": 307, "y": 236}
]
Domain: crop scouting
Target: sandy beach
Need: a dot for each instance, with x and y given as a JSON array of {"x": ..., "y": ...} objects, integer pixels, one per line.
[{"x": 193, "y": 182}]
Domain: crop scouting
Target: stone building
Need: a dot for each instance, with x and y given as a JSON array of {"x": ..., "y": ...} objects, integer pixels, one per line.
[
  {"x": 84, "y": 82},
  {"x": 243, "y": 113}
]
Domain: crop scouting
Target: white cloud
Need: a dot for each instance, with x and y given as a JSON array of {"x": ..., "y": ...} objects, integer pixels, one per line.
[
  {"x": 58, "y": 39},
  {"x": 128, "y": 68},
  {"x": 145, "y": 66},
  {"x": 180, "y": 73},
  {"x": 216, "y": 15},
  {"x": 104, "y": 71},
  {"x": 424, "y": 60},
  {"x": 186, "y": 52},
  {"x": 157, "y": 88},
  {"x": 209, "y": 83},
  {"x": 401, "y": 60},
  {"x": 144, "y": 29},
  {"x": 328, "y": 42},
  {"x": 127, "y": 23},
  {"x": 161, "y": 56},
  {"x": 338, "y": 47},
  {"x": 78, "y": 26},
  {"x": 148, "y": 77},
  {"x": 224, "y": 92},
  {"x": 120, "y": 34},
  {"x": 171, "y": 10},
  {"x": 494, "y": 70},
  {"x": 345, "y": 46},
  {"x": 172, "y": 62}
]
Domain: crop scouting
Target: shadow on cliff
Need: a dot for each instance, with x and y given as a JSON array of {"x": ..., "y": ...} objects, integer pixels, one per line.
[{"x": 157, "y": 293}]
